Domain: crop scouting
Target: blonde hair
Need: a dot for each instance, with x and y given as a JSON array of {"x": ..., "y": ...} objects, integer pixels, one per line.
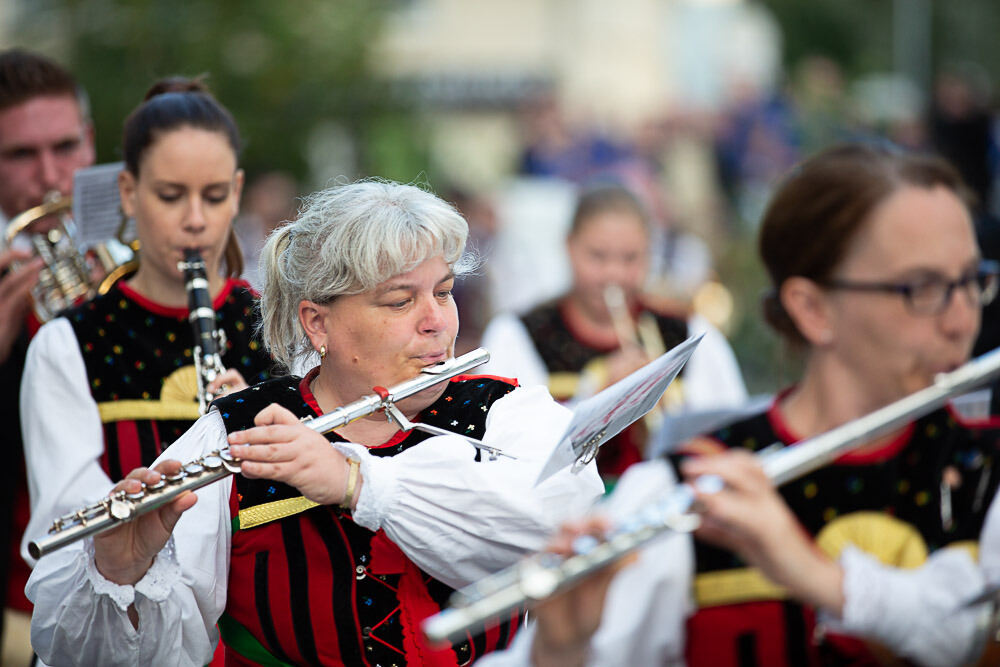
[{"x": 347, "y": 239}]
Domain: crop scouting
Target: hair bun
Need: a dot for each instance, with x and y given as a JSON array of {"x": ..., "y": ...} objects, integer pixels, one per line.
[{"x": 177, "y": 84}]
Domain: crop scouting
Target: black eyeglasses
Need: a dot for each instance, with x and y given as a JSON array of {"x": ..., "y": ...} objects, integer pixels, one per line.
[{"x": 931, "y": 296}]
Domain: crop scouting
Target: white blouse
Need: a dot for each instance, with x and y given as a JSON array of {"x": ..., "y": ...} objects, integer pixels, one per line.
[{"x": 457, "y": 519}]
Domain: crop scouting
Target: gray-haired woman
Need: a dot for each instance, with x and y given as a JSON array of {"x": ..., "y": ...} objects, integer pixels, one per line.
[{"x": 363, "y": 278}]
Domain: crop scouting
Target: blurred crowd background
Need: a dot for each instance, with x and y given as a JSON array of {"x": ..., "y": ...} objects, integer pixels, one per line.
[{"x": 507, "y": 107}]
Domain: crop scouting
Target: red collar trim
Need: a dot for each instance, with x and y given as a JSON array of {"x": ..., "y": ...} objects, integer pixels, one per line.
[
  {"x": 636, "y": 307},
  {"x": 306, "y": 391},
  {"x": 307, "y": 395},
  {"x": 173, "y": 311},
  {"x": 500, "y": 378},
  {"x": 582, "y": 338},
  {"x": 883, "y": 453}
]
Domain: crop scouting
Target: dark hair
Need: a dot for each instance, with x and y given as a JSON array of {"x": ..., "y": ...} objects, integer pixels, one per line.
[
  {"x": 607, "y": 198},
  {"x": 171, "y": 104},
  {"x": 25, "y": 75},
  {"x": 823, "y": 203}
]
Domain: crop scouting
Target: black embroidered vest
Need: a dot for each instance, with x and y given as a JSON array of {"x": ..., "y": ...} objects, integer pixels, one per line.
[
  {"x": 138, "y": 357},
  {"x": 313, "y": 587}
]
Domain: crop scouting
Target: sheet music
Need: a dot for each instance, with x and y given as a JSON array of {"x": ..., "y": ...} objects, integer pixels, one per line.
[
  {"x": 678, "y": 428},
  {"x": 96, "y": 204},
  {"x": 604, "y": 415}
]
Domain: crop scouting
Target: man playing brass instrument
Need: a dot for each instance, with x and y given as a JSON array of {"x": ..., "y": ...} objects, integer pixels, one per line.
[{"x": 45, "y": 136}]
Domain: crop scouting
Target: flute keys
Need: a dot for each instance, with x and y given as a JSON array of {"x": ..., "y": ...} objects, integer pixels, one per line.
[
  {"x": 538, "y": 582},
  {"x": 176, "y": 478},
  {"x": 683, "y": 523},
  {"x": 194, "y": 469},
  {"x": 120, "y": 509},
  {"x": 212, "y": 462},
  {"x": 584, "y": 544},
  {"x": 230, "y": 462},
  {"x": 159, "y": 485}
]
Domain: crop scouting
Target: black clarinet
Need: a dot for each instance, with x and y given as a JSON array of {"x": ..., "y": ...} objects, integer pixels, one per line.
[{"x": 208, "y": 340}]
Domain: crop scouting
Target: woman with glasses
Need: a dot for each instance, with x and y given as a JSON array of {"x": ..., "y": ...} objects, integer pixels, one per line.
[{"x": 879, "y": 282}]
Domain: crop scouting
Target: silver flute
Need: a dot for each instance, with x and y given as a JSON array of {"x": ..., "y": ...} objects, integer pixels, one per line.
[
  {"x": 209, "y": 341},
  {"x": 121, "y": 507},
  {"x": 541, "y": 575}
]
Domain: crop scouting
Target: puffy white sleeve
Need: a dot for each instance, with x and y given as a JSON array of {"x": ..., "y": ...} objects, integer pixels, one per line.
[
  {"x": 916, "y": 613},
  {"x": 648, "y": 602},
  {"x": 460, "y": 520},
  {"x": 920, "y": 613},
  {"x": 80, "y": 618},
  {"x": 712, "y": 377},
  {"x": 512, "y": 352},
  {"x": 63, "y": 439}
]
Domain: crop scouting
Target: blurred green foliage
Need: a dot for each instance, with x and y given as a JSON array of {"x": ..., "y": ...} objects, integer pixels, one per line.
[
  {"x": 283, "y": 68},
  {"x": 858, "y": 34},
  {"x": 767, "y": 361}
]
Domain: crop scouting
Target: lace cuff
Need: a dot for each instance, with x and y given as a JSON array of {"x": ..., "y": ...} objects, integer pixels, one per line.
[
  {"x": 155, "y": 585},
  {"x": 159, "y": 580},
  {"x": 863, "y": 593}
]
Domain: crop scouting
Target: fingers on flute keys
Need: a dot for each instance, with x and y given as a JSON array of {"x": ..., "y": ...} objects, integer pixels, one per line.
[
  {"x": 281, "y": 448},
  {"x": 568, "y": 620},
  {"x": 747, "y": 515},
  {"x": 123, "y": 555}
]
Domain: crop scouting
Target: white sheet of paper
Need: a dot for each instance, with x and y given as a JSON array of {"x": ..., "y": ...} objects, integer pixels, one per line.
[
  {"x": 607, "y": 413},
  {"x": 96, "y": 203}
]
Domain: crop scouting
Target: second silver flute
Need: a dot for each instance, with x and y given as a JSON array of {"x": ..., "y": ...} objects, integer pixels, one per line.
[
  {"x": 121, "y": 507},
  {"x": 542, "y": 575}
]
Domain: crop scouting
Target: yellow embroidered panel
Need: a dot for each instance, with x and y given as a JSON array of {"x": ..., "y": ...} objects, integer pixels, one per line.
[
  {"x": 890, "y": 540},
  {"x": 278, "y": 509},
  {"x": 178, "y": 400}
]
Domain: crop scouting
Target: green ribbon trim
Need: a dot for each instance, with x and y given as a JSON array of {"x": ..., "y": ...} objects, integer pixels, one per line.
[{"x": 239, "y": 639}]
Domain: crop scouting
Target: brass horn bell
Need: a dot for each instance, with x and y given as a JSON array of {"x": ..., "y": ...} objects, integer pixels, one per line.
[{"x": 68, "y": 276}]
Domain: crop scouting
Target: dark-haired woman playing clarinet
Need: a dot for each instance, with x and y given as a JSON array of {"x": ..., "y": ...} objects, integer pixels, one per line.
[{"x": 112, "y": 382}]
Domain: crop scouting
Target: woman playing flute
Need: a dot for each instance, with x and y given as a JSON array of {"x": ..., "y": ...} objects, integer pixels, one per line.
[
  {"x": 878, "y": 279},
  {"x": 362, "y": 282},
  {"x": 578, "y": 343}
]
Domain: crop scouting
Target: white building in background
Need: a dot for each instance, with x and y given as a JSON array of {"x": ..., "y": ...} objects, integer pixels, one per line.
[{"x": 611, "y": 65}]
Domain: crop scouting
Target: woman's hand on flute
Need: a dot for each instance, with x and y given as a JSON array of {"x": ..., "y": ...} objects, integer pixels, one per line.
[
  {"x": 281, "y": 448},
  {"x": 749, "y": 517},
  {"x": 567, "y": 621},
  {"x": 124, "y": 554}
]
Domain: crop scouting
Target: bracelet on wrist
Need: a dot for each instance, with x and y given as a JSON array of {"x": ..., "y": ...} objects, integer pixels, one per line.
[{"x": 354, "y": 468}]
